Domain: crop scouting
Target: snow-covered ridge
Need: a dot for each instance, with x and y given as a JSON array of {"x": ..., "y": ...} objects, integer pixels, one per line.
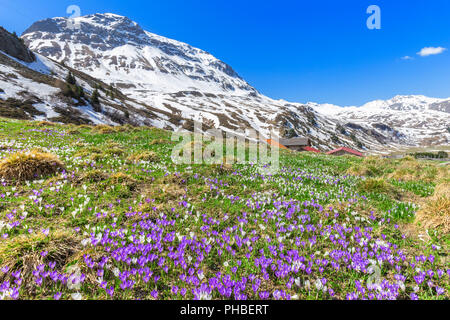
[
  {"x": 420, "y": 120},
  {"x": 398, "y": 103}
]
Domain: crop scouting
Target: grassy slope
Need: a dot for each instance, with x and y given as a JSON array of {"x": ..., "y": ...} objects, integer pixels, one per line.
[{"x": 243, "y": 234}]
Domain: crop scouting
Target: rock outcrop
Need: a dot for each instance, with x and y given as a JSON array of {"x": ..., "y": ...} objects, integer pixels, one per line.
[{"x": 14, "y": 46}]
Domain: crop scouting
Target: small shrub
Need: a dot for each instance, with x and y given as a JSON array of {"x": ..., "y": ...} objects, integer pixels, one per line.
[
  {"x": 70, "y": 79},
  {"x": 95, "y": 101}
]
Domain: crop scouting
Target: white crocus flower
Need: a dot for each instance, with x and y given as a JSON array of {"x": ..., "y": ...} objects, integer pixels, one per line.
[
  {"x": 307, "y": 284},
  {"x": 76, "y": 296},
  {"x": 318, "y": 284},
  {"x": 73, "y": 282}
]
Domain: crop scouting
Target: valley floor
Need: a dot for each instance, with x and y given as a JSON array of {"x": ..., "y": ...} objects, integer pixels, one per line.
[{"x": 119, "y": 220}]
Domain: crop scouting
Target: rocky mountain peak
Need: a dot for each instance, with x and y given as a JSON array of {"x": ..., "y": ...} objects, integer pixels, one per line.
[
  {"x": 115, "y": 48},
  {"x": 99, "y": 31}
]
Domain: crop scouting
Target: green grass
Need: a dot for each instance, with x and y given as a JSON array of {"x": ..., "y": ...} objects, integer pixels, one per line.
[
  {"x": 420, "y": 188},
  {"x": 102, "y": 189}
]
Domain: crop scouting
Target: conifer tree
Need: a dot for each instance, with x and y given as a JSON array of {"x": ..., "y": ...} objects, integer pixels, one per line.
[
  {"x": 80, "y": 92},
  {"x": 94, "y": 97},
  {"x": 95, "y": 101},
  {"x": 70, "y": 79}
]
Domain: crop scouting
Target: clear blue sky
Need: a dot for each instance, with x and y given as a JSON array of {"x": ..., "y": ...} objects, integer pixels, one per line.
[{"x": 297, "y": 50}]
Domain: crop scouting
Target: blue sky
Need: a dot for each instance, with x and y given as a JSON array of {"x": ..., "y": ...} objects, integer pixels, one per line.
[{"x": 301, "y": 51}]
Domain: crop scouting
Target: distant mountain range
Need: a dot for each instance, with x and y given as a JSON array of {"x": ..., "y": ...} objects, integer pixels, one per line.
[{"x": 147, "y": 79}]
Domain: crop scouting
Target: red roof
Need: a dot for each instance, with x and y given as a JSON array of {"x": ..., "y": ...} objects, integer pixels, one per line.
[
  {"x": 356, "y": 153},
  {"x": 276, "y": 144},
  {"x": 310, "y": 149}
]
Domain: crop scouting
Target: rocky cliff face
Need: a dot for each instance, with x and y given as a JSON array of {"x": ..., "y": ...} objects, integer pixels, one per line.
[{"x": 14, "y": 46}]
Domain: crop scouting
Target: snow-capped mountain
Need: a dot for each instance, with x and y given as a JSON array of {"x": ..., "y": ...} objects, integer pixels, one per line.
[
  {"x": 167, "y": 84},
  {"x": 410, "y": 103},
  {"x": 415, "y": 118},
  {"x": 116, "y": 49},
  {"x": 183, "y": 82}
]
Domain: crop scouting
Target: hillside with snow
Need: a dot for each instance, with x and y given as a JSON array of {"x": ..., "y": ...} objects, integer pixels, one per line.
[
  {"x": 417, "y": 119},
  {"x": 168, "y": 84}
]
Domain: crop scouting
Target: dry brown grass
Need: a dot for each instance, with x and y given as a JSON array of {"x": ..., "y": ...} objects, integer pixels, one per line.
[
  {"x": 358, "y": 170},
  {"x": 95, "y": 175},
  {"x": 91, "y": 152},
  {"x": 85, "y": 126},
  {"x": 73, "y": 131},
  {"x": 113, "y": 144},
  {"x": 144, "y": 156},
  {"x": 410, "y": 169},
  {"x": 23, "y": 252},
  {"x": 435, "y": 213},
  {"x": 364, "y": 210},
  {"x": 406, "y": 169},
  {"x": 22, "y": 166},
  {"x": 159, "y": 141},
  {"x": 369, "y": 167},
  {"x": 114, "y": 151},
  {"x": 225, "y": 167},
  {"x": 123, "y": 179},
  {"x": 179, "y": 179},
  {"x": 104, "y": 129},
  {"x": 377, "y": 185},
  {"x": 442, "y": 190},
  {"x": 45, "y": 124},
  {"x": 126, "y": 128},
  {"x": 164, "y": 193}
]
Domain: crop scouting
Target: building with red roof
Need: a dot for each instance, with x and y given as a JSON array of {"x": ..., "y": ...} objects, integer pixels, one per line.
[
  {"x": 311, "y": 149},
  {"x": 343, "y": 151}
]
